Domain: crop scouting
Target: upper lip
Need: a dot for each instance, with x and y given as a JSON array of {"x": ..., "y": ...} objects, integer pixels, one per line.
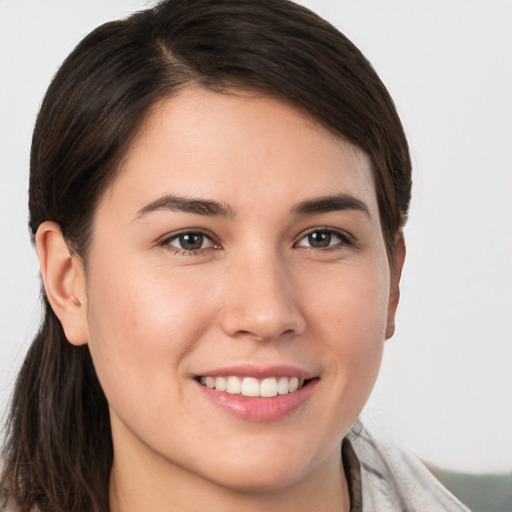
[{"x": 259, "y": 372}]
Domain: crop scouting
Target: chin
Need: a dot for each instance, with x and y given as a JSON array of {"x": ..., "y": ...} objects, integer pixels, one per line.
[
  {"x": 267, "y": 470},
  {"x": 269, "y": 477}
]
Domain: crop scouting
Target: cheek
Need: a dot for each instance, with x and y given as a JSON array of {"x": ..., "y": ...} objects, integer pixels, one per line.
[
  {"x": 353, "y": 298},
  {"x": 141, "y": 323},
  {"x": 351, "y": 314}
]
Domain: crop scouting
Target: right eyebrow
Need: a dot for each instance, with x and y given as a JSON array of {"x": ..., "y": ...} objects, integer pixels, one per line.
[{"x": 198, "y": 206}]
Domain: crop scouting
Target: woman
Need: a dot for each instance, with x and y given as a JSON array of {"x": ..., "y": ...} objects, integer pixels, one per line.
[{"x": 217, "y": 194}]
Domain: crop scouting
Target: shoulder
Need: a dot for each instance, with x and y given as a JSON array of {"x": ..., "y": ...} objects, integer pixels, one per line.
[{"x": 393, "y": 479}]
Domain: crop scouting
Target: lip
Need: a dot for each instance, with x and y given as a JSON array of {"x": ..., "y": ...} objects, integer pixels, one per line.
[
  {"x": 259, "y": 372},
  {"x": 259, "y": 409}
]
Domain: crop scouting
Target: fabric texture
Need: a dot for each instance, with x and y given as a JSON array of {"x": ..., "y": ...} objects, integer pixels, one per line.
[{"x": 385, "y": 478}]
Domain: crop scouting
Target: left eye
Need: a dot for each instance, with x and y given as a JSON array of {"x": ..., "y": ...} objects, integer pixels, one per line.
[
  {"x": 189, "y": 241},
  {"x": 321, "y": 239}
]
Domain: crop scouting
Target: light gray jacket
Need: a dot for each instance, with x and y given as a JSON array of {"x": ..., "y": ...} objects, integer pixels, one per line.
[{"x": 392, "y": 479}]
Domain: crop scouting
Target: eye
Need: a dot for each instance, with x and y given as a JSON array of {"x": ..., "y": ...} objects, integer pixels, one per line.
[
  {"x": 189, "y": 241},
  {"x": 323, "y": 239}
]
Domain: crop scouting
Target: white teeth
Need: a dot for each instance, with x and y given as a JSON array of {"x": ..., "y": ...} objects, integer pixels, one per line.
[
  {"x": 284, "y": 386},
  {"x": 250, "y": 386},
  {"x": 221, "y": 384},
  {"x": 268, "y": 387},
  {"x": 234, "y": 386}
]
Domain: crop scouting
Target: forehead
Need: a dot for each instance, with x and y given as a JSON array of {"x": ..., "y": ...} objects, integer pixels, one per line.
[{"x": 243, "y": 149}]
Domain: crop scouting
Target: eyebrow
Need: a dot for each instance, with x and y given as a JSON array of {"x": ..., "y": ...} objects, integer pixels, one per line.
[
  {"x": 207, "y": 207},
  {"x": 176, "y": 203},
  {"x": 331, "y": 203}
]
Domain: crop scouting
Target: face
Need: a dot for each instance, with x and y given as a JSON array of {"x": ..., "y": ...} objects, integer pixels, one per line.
[{"x": 238, "y": 291}]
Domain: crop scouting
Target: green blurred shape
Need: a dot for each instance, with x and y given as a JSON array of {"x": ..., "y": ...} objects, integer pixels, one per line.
[{"x": 481, "y": 492}]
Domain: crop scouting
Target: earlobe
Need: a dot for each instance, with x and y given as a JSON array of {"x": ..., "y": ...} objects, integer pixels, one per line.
[
  {"x": 395, "y": 274},
  {"x": 64, "y": 281}
]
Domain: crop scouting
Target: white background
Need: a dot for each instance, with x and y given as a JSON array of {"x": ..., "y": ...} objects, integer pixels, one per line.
[{"x": 446, "y": 384}]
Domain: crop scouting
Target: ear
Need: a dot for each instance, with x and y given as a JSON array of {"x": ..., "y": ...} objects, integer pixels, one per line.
[
  {"x": 397, "y": 264},
  {"x": 64, "y": 281}
]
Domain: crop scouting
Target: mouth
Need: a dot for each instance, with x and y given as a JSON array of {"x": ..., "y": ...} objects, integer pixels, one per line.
[
  {"x": 267, "y": 387},
  {"x": 256, "y": 393}
]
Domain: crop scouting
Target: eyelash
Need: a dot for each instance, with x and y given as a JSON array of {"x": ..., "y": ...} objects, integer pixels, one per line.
[
  {"x": 344, "y": 241},
  {"x": 166, "y": 242}
]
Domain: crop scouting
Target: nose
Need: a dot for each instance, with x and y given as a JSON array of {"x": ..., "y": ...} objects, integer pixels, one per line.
[{"x": 260, "y": 302}]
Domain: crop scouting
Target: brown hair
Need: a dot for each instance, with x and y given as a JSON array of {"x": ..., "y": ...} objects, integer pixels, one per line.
[{"x": 58, "y": 453}]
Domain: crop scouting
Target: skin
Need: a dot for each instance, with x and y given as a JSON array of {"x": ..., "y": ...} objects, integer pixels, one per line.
[{"x": 155, "y": 316}]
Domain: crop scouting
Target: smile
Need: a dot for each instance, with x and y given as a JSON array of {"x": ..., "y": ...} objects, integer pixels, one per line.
[{"x": 253, "y": 387}]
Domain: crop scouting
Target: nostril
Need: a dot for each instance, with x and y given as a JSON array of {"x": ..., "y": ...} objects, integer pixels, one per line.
[
  {"x": 261, "y": 336},
  {"x": 261, "y": 320}
]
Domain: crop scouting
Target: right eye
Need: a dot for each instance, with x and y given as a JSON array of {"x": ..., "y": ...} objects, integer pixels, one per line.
[{"x": 189, "y": 242}]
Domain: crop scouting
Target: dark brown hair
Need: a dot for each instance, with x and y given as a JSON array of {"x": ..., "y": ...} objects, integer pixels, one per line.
[{"x": 58, "y": 452}]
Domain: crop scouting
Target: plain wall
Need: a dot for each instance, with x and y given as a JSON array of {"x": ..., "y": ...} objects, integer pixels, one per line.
[{"x": 446, "y": 384}]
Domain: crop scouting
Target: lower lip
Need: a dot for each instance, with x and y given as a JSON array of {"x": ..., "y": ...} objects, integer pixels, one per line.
[{"x": 259, "y": 408}]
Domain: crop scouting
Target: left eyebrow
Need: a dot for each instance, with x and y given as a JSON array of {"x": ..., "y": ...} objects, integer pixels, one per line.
[{"x": 328, "y": 204}]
